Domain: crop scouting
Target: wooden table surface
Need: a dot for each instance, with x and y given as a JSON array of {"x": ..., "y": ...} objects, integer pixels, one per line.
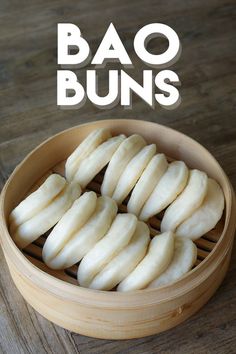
[{"x": 28, "y": 115}]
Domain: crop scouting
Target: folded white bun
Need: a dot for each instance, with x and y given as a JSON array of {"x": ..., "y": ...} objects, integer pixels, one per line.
[
  {"x": 84, "y": 239},
  {"x": 30, "y": 230},
  {"x": 88, "y": 145},
  {"x": 206, "y": 216},
  {"x": 37, "y": 200},
  {"x": 124, "y": 263},
  {"x": 187, "y": 202},
  {"x": 146, "y": 184},
  {"x": 160, "y": 253},
  {"x": 132, "y": 173},
  {"x": 125, "y": 152},
  {"x": 167, "y": 189},
  {"x": 72, "y": 220},
  {"x": 118, "y": 236},
  {"x": 185, "y": 255},
  {"x": 99, "y": 158}
]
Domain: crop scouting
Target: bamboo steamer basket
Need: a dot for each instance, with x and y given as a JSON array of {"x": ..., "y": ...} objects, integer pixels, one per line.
[{"x": 113, "y": 315}]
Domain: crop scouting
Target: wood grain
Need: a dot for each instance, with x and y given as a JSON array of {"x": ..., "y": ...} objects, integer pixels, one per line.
[{"x": 29, "y": 114}]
